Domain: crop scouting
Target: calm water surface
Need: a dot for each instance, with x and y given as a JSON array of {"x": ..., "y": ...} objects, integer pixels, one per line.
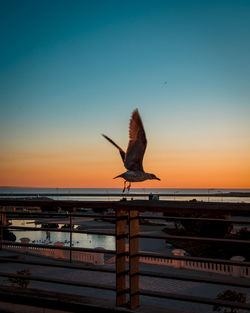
[{"x": 78, "y": 240}]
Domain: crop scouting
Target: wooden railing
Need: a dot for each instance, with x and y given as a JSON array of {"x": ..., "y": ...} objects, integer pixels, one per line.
[{"x": 127, "y": 217}]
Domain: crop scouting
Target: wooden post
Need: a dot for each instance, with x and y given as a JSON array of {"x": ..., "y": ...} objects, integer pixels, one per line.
[
  {"x": 121, "y": 221},
  {"x": 134, "y": 259}
]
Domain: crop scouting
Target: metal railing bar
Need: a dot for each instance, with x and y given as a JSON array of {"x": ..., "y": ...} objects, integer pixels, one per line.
[
  {"x": 126, "y": 272},
  {"x": 231, "y": 282},
  {"x": 58, "y": 281},
  {"x": 91, "y": 232},
  {"x": 173, "y": 218},
  {"x": 60, "y": 265},
  {"x": 121, "y": 254},
  {"x": 195, "y": 299},
  {"x": 112, "y": 216},
  {"x": 95, "y": 250},
  {"x": 204, "y": 239},
  {"x": 65, "y": 204},
  {"x": 55, "y": 214},
  {"x": 197, "y": 207},
  {"x": 42, "y": 300},
  {"x": 141, "y": 235},
  {"x": 193, "y": 259}
]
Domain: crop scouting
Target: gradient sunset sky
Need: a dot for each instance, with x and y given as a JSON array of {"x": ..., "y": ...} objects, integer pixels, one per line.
[{"x": 72, "y": 70}]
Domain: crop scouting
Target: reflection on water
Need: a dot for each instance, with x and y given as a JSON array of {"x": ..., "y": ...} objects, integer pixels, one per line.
[{"x": 78, "y": 240}]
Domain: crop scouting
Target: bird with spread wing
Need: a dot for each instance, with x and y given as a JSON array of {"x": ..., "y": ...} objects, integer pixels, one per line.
[{"x": 133, "y": 157}]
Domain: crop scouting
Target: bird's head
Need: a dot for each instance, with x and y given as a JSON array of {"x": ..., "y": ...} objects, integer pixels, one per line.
[{"x": 152, "y": 176}]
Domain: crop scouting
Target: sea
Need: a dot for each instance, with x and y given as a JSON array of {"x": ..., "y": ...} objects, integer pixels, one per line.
[{"x": 116, "y": 193}]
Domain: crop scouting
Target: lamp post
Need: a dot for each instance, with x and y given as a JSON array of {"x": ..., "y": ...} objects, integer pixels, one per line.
[
  {"x": 175, "y": 192},
  {"x": 208, "y": 193}
]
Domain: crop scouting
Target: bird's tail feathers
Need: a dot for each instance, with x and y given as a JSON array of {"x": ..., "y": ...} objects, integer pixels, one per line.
[
  {"x": 111, "y": 141},
  {"x": 122, "y": 153}
]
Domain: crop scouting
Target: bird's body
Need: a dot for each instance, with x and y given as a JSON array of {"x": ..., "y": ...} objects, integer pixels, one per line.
[
  {"x": 134, "y": 176},
  {"x": 133, "y": 157}
]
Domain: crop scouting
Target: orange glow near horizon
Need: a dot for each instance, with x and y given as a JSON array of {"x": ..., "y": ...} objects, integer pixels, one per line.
[{"x": 90, "y": 169}]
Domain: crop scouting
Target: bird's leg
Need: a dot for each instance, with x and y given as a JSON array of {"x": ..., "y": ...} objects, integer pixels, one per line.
[
  {"x": 128, "y": 187},
  {"x": 124, "y": 187}
]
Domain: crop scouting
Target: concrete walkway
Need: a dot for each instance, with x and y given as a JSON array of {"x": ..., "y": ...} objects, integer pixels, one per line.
[{"x": 148, "y": 283}]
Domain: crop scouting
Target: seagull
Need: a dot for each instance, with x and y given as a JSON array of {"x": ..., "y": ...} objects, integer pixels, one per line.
[{"x": 133, "y": 157}]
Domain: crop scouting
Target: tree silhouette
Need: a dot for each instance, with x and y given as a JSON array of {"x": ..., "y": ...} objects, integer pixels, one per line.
[
  {"x": 229, "y": 295},
  {"x": 20, "y": 282}
]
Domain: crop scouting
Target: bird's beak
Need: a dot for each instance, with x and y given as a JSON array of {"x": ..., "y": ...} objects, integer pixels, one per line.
[
  {"x": 117, "y": 176},
  {"x": 157, "y": 178}
]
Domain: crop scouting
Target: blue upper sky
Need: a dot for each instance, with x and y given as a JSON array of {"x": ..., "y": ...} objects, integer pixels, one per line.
[{"x": 71, "y": 68}]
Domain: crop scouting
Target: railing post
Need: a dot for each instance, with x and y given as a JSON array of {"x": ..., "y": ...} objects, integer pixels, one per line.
[
  {"x": 178, "y": 252},
  {"x": 134, "y": 259},
  {"x": 120, "y": 230},
  {"x": 71, "y": 229},
  {"x": 237, "y": 271}
]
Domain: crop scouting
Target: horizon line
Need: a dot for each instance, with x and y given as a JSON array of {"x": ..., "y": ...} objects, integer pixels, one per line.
[{"x": 43, "y": 187}]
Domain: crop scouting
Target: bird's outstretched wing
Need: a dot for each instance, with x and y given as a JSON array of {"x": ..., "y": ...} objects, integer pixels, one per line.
[
  {"x": 137, "y": 143},
  {"x": 122, "y": 153}
]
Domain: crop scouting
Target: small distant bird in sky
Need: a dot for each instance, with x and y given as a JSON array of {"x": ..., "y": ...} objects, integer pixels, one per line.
[{"x": 133, "y": 157}]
